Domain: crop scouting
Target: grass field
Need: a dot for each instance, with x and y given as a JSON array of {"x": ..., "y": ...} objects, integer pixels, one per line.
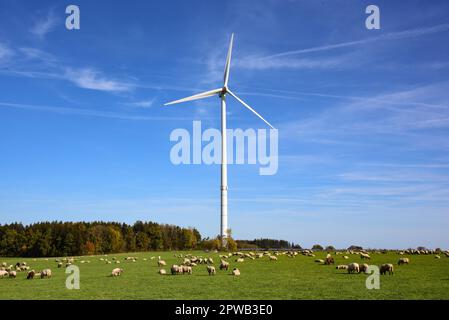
[{"x": 287, "y": 278}]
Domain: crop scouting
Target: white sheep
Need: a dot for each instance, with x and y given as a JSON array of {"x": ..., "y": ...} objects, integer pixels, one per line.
[
  {"x": 162, "y": 272},
  {"x": 353, "y": 268},
  {"x": 211, "y": 270},
  {"x": 175, "y": 269},
  {"x": 3, "y": 273},
  {"x": 363, "y": 268},
  {"x": 224, "y": 265},
  {"x": 342, "y": 266},
  {"x": 386, "y": 267},
  {"x": 187, "y": 269},
  {"x": 46, "y": 273},
  {"x": 273, "y": 258},
  {"x": 116, "y": 272},
  {"x": 236, "y": 272},
  {"x": 365, "y": 256},
  {"x": 161, "y": 263}
]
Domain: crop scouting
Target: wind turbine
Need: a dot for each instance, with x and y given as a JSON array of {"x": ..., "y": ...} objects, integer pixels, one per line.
[{"x": 222, "y": 92}]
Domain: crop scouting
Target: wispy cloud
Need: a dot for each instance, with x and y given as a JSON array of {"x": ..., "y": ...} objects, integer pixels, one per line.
[
  {"x": 284, "y": 60},
  {"x": 289, "y": 63},
  {"x": 5, "y": 53},
  {"x": 85, "y": 112},
  {"x": 411, "y": 33},
  {"x": 44, "y": 25},
  {"x": 88, "y": 78},
  {"x": 398, "y": 112},
  {"x": 35, "y": 54},
  {"x": 142, "y": 104}
]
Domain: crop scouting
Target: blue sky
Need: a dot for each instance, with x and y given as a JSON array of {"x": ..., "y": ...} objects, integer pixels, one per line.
[{"x": 363, "y": 116}]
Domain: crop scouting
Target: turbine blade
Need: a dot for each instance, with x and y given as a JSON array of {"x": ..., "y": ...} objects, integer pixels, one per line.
[
  {"x": 254, "y": 111},
  {"x": 201, "y": 95},
  {"x": 228, "y": 62}
]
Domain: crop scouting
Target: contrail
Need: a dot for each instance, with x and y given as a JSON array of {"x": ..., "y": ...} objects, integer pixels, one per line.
[
  {"x": 86, "y": 112},
  {"x": 389, "y": 36}
]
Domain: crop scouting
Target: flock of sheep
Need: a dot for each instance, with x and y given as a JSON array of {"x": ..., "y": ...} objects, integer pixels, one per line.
[
  {"x": 12, "y": 270},
  {"x": 355, "y": 267},
  {"x": 188, "y": 262}
]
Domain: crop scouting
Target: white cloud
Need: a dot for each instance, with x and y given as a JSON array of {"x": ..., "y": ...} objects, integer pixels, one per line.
[
  {"x": 86, "y": 112},
  {"x": 90, "y": 79},
  {"x": 388, "y": 36},
  {"x": 5, "y": 53},
  {"x": 143, "y": 104},
  {"x": 44, "y": 25},
  {"x": 288, "y": 63},
  {"x": 39, "y": 55}
]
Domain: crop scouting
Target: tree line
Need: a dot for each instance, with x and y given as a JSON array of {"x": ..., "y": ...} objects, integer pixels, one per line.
[
  {"x": 267, "y": 244},
  {"x": 48, "y": 239}
]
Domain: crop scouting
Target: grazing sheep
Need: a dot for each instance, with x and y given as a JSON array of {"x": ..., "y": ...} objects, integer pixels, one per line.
[
  {"x": 12, "y": 274},
  {"x": 341, "y": 266},
  {"x": 437, "y": 257},
  {"x": 211, "y": 270},
  {"x": 239, "y": 260},
  {"x": 162, "y": 272},
  {"x": 329, "y": 260},
  {"x": 363, "y": 268},
  {"x": 116, "y": 272},
  {"x": 224, "y": 265},
  {"x": 30, "y": 274},
  {"x": 236, "y": 272},
  {"x": 273, "y": 258},
  {"x": 3, "y": 273},
  {"x": 211, "y": 261},
  {"x": 175, "y": 269},
  {"x": 161, "y": 263},
  {"x": 386, "y": 267},
  {"x": 345, "y": 257},
  {"x": 353, "y": 268},
  {"x": 365, "y": 256},
  {"x": 60, "y": 265},
  {"x": 46, "y": 273},
  {"x": 186, "y": 269},
  {"x": 403, "y": 261}
]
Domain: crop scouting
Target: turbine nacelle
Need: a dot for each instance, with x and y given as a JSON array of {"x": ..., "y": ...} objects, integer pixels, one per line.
[{"x": 221, "y": 92}]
